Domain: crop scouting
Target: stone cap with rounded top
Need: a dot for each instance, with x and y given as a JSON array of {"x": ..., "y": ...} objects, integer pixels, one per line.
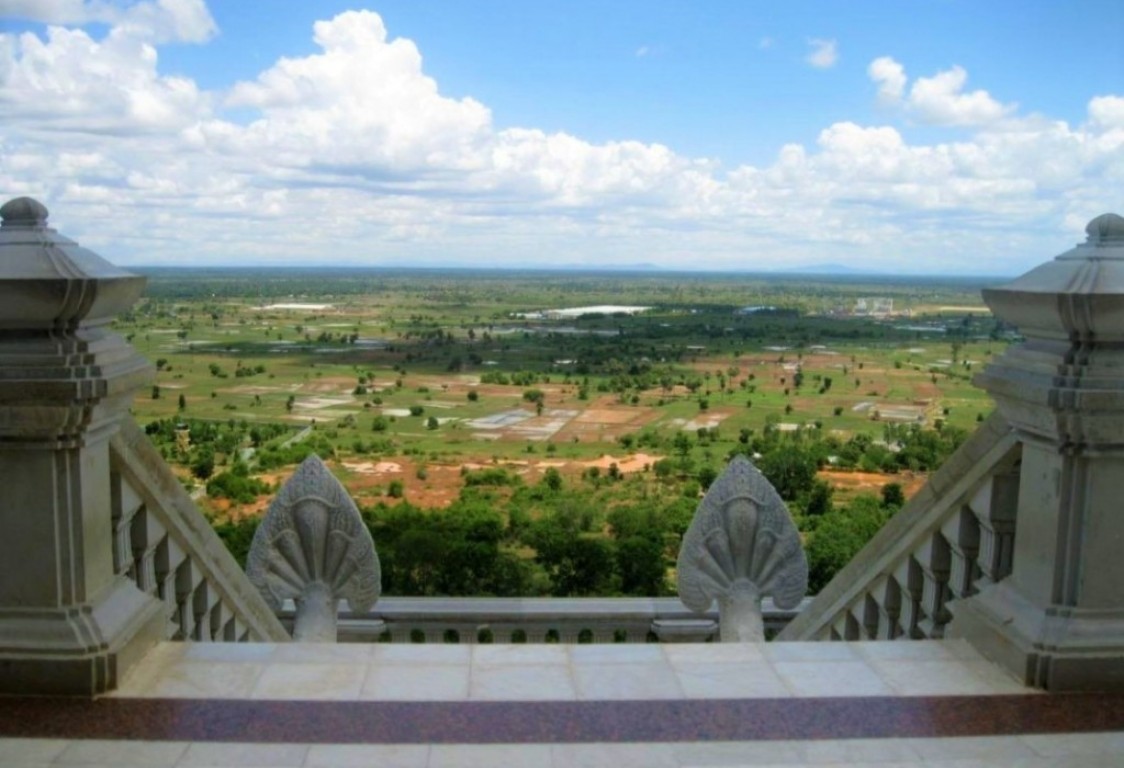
[
  {"x": 49, "y": 281},
  {"x": 1077, "y": 295}
]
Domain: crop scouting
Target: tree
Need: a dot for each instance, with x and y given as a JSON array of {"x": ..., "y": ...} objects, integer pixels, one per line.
[
  {"x": 893, "y": 497},
  {"x": 819, "y": 500},
  {"x": 577, "y": 564},
  {"x": 204, "y": 463},
  {"x": 790, "y": 468},
  {"x": 707, "y": 475},
  {"x": 183, "y": 402},
  {"x": 640, "y": 562},
  {"x": 552, "y": 479},
  {"x": 682, "y": 444},
  {"x": 432, "y": 423},
  {"x": 839, "y": 537}
]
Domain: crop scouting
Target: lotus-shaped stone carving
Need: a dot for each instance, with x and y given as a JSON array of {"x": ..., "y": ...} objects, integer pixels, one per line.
[
  {"x": 741, "y": 546},
  {"x": 313, "y": 548}
]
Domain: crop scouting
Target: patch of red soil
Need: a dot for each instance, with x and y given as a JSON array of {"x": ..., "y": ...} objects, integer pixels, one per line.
[{"x": 849, "y": 483}]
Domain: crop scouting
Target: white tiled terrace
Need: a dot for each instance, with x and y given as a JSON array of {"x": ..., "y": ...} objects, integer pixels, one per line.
[
  {"x": 571, "y": 673},
  {"x": 401, "y": 672}
]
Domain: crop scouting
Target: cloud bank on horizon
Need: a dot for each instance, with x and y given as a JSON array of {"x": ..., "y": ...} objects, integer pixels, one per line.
[{"x": 351, "y": 154}]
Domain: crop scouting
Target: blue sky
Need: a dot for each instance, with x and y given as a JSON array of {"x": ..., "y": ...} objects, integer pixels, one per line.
[{"x": 934, "y": 136}]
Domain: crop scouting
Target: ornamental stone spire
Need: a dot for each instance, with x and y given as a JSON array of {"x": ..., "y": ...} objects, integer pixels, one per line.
[
  {"x": 312, "y": 547},
  {"x": 741, "y": 546}
]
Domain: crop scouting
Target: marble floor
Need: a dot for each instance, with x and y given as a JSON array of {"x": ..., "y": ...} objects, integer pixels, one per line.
[
  {"x": 845, "y": 704},
  {"x": 1092, "y": 750},
  {"x": 387, "y": 672}
]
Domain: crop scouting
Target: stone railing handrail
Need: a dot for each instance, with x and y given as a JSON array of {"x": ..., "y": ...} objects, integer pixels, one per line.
[
  {"x": 165, "y": 545},
  {"x": 955, "y": 536},
  {"x": 538, "y": 620}
]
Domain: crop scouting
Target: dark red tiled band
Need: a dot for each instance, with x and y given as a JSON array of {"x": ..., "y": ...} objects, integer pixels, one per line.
[{"x": 343, "y": 722}]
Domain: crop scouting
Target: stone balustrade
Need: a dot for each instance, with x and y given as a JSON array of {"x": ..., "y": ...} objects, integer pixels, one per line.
[
  {"x": 953, "y": 538},
  {"x": 537, "y": 620},
  {"x": 164, "y": 545}
]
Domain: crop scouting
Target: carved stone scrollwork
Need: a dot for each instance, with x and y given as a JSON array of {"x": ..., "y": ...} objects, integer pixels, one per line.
[
  {"x": 741, "y": 546},
  {"x": 313, "y": 548}
]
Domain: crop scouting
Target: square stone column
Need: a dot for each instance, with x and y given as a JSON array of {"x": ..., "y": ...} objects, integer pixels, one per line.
[
  {"x": 68, "y": 623},
  {"x": 1058, "y": 620}
]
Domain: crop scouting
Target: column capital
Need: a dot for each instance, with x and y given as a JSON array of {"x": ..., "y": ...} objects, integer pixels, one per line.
[
  {"x": 1077, "y": 296},
  {"x": 64, "y": 378},
  {"x": 1064, "y": 384}
]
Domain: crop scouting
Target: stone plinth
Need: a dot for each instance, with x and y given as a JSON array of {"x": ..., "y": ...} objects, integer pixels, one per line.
[
  {"x": 1058, "y": 619},
  {"x": 68, "y": 623}
]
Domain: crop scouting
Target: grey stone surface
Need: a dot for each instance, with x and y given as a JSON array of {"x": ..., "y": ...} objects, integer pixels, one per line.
[
  {"x": 741, "y": 546},
  {"x": 1058, "y": 619},
  {"x": 69, "y": 622},
  {"x": 313, "y": 548}
]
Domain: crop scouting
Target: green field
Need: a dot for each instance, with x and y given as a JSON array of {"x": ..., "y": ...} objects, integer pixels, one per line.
[{"x": 406, "y": 380}]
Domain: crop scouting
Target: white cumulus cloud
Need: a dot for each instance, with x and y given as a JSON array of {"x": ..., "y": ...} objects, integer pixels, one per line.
[
  {"x": 71, "y": 82},
  {"x": 353, "y": 151},
  {"x": 891, "y": 79},
  {"x": 157, "y": 20},
  {"x": 941, "y": 100},
  {"x": 824, "y": 53},
  {"x": 937, "y": 100}
]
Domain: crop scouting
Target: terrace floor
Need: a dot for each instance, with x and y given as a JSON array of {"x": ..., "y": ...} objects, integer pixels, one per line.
[{"x": 934, "y": 703}]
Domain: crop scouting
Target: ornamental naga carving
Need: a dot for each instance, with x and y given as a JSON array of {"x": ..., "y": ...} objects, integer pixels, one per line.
[
  {"x": 313, "y": 548},
  {"x": 741, "y": 546}
]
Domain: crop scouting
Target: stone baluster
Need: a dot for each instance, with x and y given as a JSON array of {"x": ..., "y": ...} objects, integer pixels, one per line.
[
  {"x": 167, "y": 560},
  {"x": 187, "y": 579},
  {"x": 847, "y": 625},
  {"x": 124, "y": 506},
  {"x": 145, "y": 537},
  {"x": 1057, "y": 620},
  {"x": 203, "y": 600},
  {"x": 71, "y": 619},
  {"x": 909, "y": 579},
  {"x": 994, "y": 507},
  {"x": 220, "y": 617},
  {"x": 933, "y": 558},
  {"x": 887, "y": 597},
  {"x": 870, "y": 617},
  {"x": 962, "y": 532}
]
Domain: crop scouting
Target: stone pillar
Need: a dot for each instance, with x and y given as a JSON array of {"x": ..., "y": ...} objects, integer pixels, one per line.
[
  {"x": 68, "y": 623},
  {"x": 1058, "y": 620}
]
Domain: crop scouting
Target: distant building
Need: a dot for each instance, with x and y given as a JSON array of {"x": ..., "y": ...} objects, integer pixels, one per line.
[{"x": 876, "y": 305}]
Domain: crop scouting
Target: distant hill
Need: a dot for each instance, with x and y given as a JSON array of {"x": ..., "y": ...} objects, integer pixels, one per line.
[
  {"x": 637, "y": 267},
  {"x": 826, "y": 269}
]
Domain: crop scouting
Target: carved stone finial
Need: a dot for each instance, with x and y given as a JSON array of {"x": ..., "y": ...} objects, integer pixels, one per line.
[
  {"x": 312, "y": 547},
  {"x": 741, "y": 546},
  {"x": 1106, "y": 227},
  {"x": 23, "y": 212}
]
